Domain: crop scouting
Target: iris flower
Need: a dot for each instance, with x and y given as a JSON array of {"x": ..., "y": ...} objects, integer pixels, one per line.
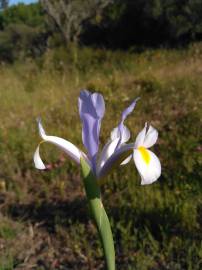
[{"x": 116, "y": 151}]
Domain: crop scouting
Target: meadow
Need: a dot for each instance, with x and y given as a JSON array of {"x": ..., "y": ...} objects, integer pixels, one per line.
[{"x": 45, "y": 223}]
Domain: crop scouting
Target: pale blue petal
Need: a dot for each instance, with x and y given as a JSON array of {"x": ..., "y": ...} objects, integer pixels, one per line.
[{"x": 91, "y": 110}]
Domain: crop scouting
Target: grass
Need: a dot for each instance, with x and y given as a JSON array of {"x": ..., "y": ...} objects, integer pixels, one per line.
[{"x": 45, "y": 222}]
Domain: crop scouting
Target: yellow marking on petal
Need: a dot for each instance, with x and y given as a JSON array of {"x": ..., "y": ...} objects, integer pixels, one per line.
[{"x": 145, "y": 154}]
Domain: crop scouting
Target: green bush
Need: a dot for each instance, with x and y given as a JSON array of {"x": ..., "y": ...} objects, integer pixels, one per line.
[
  {"x": 148, "y": 23},
  {"x": 31, "y": 15},
  {"x": 20, "y": 40}
]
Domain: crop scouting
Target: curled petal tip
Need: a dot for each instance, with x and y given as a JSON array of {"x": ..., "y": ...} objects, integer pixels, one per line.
[{"x": 38, "y": 163}]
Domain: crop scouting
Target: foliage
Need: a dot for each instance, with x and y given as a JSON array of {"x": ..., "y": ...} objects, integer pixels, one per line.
[
  {"x": 22, "y": 32},
  {"x": 71, "y": 16},
  {"x": 101, "y": 23},
  {"x": 18, "y": 41},
  {"x": 149, "y": 23},
  {"x": 30, "y": 15}
]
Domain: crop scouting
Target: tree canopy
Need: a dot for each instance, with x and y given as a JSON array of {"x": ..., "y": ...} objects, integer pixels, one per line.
[{"x": 106, "y": 23}]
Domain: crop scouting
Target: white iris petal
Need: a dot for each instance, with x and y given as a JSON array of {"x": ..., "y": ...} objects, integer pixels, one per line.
[
  {"x": 107, "y": 151},
  {"x": 70, "y": 149},
  {"x": 42, "y": 132},
  {"x": 125, "y": 136},
  {"x": 38, "y": 161},
  {"x": 149, "y": 171},
  {"x": 111, "y": 145},
  {"x": 151, "y": 137},
  {"x": 140, "y": 137},
  {"x": 127, "y": 160},
  {"x": 115, "y": 159}
]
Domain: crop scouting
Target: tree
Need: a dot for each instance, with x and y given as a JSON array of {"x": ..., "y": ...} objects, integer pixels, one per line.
[
  {"x": 4, "y": 4},
  {"x": 18, "y": 41},
  {"x": 71, "y": 15},
  {"x": 31, "y": 15}
]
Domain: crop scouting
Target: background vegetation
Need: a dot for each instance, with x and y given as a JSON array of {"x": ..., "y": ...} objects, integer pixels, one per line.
[
  {"x": 45, "y": 222},
  {"x": 30, "y": 30}
]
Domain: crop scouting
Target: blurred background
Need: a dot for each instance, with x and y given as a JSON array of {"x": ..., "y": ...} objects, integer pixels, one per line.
[{"x": 49, "y": 51}]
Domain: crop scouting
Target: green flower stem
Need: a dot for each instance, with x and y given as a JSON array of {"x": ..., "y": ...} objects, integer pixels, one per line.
[{"x": 99, "y": 215}]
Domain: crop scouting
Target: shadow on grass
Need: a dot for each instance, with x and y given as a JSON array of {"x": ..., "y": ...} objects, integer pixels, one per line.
[
  {"x": 50, "y": 214},
  {"x": 160, "y": 222}
]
